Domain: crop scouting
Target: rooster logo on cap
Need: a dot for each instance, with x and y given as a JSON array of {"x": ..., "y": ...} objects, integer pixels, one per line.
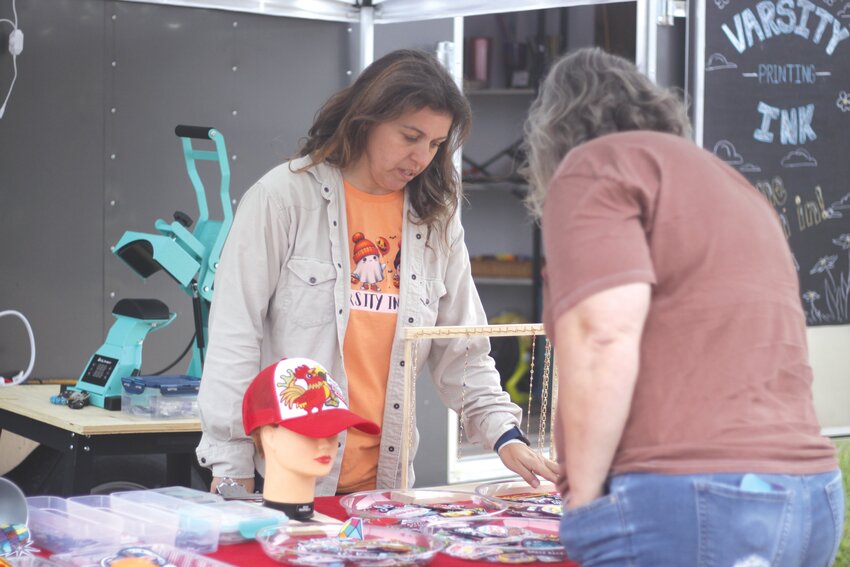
[{"x": 315, "y": 396}]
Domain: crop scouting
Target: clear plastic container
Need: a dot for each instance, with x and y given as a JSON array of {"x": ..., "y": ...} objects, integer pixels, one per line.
[
  {"x": 415, "y": 508},
  {"x": 149, "y": 525},
  {"x": 30, "y": 561},
  {"x": 58, "y": 531},
  {"x": 128, "y": 533},
  {"x": 156, "y": 554},
  {"x": 501, "y": 539},
  {"x": 198, "y": 525},
  {"x": 520, "y": 499},
  {"x": 189, "y": 494},
  {"x": 160, "y": 397},
  {"x": 13, "y": 504},
  {"x": 381, "y": 546},
  {"x": 240, "y": 521}
]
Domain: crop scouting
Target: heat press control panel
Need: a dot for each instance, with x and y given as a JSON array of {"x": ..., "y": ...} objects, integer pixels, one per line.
[{"x": 99, "y": 370}]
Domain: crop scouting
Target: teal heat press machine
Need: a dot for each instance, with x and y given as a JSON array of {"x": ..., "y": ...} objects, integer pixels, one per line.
[{"x": 190, "y": 258}]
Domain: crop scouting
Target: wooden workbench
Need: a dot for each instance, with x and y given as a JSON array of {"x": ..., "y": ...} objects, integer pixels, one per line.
[{"x": 85, "y": 433}]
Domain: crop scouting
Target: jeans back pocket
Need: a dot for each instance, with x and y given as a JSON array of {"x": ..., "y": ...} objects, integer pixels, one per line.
[{"x": 741, "y": 527}]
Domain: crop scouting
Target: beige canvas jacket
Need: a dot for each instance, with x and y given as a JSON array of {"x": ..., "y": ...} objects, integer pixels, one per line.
[{"x": 282, "y": 290}]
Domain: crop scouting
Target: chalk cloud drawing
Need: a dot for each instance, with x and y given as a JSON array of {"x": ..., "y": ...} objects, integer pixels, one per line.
[
  {"x": 798, "y": 158},
  {"x": 843, "y": 101},
  {"x": 725, "y": 150},
  {"x": 844, "y": 12},
  {"x": 829, "y": 2},
  {"x": 718, "y": 61},
  {"x": 721, "y": 3}
]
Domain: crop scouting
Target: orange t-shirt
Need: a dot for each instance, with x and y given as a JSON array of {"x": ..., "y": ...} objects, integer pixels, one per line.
[{"x": 374, "y": 236}]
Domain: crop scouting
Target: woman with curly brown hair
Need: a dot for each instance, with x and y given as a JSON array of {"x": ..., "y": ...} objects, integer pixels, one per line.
[
  {"x": 687, "y": 433},
  {"x": 332, "y": 254}
]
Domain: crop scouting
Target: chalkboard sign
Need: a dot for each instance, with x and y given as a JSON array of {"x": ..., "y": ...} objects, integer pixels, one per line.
[{"x": 777, "y": 108}]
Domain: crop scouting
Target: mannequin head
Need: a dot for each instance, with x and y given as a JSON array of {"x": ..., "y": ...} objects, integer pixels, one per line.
[
  {"x": 299, "y": 454},
  {"x": 294, "y": 412}
]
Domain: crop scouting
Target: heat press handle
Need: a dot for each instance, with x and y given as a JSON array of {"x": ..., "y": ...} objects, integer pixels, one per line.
[{"x": 197, "y": 132}]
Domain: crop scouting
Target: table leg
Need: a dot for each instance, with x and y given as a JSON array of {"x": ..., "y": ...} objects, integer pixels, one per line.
[{"x": 77, "y": 466}]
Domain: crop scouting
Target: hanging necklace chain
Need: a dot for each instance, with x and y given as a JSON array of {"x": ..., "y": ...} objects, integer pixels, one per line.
[
  {"x": 413, "y": 371},
  {"x": 462, "y": 400},
  {"x": 531, "y": 381},
  {"x": 550, "y": 375},
  {"x": 544, "y": 401},
  {"x": 552, "y": 452}
]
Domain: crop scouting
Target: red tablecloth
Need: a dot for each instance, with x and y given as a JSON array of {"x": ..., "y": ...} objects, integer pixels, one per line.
[{"x": 251, "y": 554}]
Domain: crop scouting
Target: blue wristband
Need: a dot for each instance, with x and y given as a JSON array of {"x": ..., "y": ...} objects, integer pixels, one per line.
[{"x": 512, "y": 433}]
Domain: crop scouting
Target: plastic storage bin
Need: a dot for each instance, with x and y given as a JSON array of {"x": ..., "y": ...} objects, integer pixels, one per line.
[
  {"x": 160, "y": 397},
  {"x": 149, "y": 525},
  {"x": 128, "y": 532},
  {"x": 30, "y": 561},
  {"x": 198, "y": 525},
  {"x": 58, "y": 531},
  {"x": 188, "y": 494},
  {"x": 240, "y": 521},
  {"x": 156, "y": 554}
]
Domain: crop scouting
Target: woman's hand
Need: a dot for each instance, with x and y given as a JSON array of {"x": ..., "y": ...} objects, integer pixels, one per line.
[
  {"x": 529, "y": 465},
  {"x": 248, "y": 483}
]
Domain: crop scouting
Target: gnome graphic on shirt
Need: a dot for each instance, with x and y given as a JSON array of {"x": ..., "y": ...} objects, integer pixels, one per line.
[{"x": 368, "y": 269}]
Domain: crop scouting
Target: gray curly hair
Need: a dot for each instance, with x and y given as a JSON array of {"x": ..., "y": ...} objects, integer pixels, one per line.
[{"x": 587, "y": 94}]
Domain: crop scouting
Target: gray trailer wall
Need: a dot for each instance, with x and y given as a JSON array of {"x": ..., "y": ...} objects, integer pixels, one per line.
[{"x": 88, "y": 151}]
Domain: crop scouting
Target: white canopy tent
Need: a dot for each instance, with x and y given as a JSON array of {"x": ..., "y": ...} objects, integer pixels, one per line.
[{"x": 368, "y": 13}]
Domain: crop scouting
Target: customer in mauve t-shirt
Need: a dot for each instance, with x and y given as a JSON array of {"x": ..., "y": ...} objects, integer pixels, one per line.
[{"x": 687, "y": 434}]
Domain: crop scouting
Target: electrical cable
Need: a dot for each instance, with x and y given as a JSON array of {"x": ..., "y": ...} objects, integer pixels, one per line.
[
  {"x": 16, "y": 45},
  {"x": 11, "y": 86},
  {"x": 178, "y": 359},
  {"x": 20, "y": 377}
]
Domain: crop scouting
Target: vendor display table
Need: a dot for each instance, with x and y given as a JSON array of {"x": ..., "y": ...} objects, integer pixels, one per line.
[
  {"x": 86, "y": 433},
  {"x": 83, "y": 434},
  {"x": 251, "y": 554}
]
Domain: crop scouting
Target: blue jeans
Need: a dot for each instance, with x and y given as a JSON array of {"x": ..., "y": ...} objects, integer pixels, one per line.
[{"x": 709, "y": 520}]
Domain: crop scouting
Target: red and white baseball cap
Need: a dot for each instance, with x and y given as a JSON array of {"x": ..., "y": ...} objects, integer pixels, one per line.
[{"x": 298, "y": 394}]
